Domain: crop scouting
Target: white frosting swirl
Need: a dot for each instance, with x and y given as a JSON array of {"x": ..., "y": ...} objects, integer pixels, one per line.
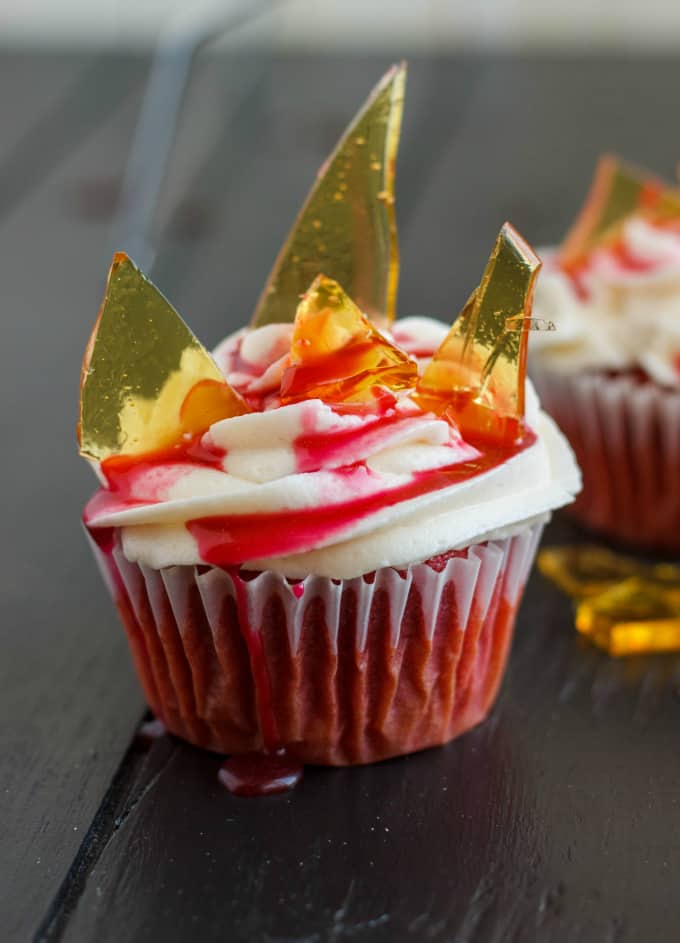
[
  {"x": 310, "y": 459},
  {"x": 623, "y": 313}
]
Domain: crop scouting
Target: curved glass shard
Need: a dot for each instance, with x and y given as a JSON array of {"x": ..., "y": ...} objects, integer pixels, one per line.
[
  {"x": 140, "y": 365},
  {"x": 347, "y": 226}
]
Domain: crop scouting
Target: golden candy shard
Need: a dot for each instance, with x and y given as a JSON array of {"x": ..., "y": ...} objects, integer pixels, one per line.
[
  {"x": 588, "y": 570},
  {"x": 142, "y": 365},
  {"x": 582, "y": 571},
  {"x": 337, "y": 355},
  {"x": 207, "y": 402},
  {"x": 617, "y": 192},
  {"x": 347, "y": 225},
  {"x": 633, "y": 617},
  {"x": 478, "y": 373},
  {"x": 625, "y": 607}
]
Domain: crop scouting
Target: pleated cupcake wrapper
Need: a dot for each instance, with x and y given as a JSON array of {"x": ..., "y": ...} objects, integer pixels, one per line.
[
  {"x": 354, "y": 670},
  {"x": 626, "y": 437}
]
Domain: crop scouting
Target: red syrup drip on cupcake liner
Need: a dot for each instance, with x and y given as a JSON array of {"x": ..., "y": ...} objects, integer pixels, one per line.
[
  {"x": 273, "y": 770},
  {"x": 227, "y": 541},
  {"x": 251, "y": 774}
]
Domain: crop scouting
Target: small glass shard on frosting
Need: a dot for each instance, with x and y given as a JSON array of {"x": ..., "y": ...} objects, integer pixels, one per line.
[
  {"x": 143, "y": 381},
  {"x": 347, "y": 226},
  {"x": 617, "y": 192},
  {"x": 207, "y": 402},
  {"x": 477, "y": 375},
  {"x": 337, "y": 355},
  {"x": 625, "y": 606}
]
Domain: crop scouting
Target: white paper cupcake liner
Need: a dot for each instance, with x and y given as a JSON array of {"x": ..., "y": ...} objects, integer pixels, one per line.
[
  {"x": 626, "y": 437},
  {"x": 337, "y": 671}
]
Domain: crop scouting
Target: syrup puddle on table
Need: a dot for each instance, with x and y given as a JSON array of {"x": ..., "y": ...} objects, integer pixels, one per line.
[
  {"x": 271, "y": 770},
  {"x": 260, "y": 774}
]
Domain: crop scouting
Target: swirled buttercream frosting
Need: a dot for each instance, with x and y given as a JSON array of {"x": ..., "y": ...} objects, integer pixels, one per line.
[
  {"x": 621, "y": 312},
  {"x": 324, "y": 438},
  {"x": 309, "y": 487}
]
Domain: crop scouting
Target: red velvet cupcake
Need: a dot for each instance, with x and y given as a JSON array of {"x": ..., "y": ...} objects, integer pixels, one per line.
[
  {"x": 610, "y": 374},
  {"x": 317, "y": 538},
  {"x": 336, "y": 671}
]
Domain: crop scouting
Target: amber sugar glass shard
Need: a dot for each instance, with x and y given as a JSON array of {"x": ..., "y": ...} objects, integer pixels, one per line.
[
  {"x": 477, "y": 375},
  {"x": 588, "y": 570},
  {"x": 626, "y": 607},
  {"x": 639, "y": 638},
  {"x": 617, "y": 192},
  {"x": 140, "y": 373},
  {"x": 585, "y": 571},
  {"x": 337, "y": 355},
  {"x": 347, "y": 225},
  {"x": 209, "y": 401},
  {"x": 632, "y": 617}
]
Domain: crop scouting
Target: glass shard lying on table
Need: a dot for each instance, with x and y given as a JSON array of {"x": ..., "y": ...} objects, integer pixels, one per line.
[
  {"x": 632, "y": 617},
  {"x": 624, "y": 606}
]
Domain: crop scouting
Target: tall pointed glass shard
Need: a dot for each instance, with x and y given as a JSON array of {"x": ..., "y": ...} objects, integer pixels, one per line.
[
  {"x": 616, "y": 193},
  {"x": 337, "y": 355},
  {"x": 347, "y": 226},
  {"x": 477, "y": 375},
  {"x": 146, "y": 380}
]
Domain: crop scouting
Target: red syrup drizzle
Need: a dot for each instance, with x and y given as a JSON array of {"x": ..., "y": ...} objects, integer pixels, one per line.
[
  {"x": 629, "y": 261},
  {"x": 227, "y": 540},
  {"x": 625, "y": 258},
  {"x": 315, "y": 450},
  {"x": 104, "y": 537},
  {"x": 119, "y": 493},
  {"x": 273, "y": 770}
]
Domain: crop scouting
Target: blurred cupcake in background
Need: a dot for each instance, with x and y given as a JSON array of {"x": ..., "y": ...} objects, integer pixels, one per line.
[{"x": 610, "y": 373}]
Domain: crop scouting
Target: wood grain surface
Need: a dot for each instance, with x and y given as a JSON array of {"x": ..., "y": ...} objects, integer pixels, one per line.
[{"x": 558, "y": 820}]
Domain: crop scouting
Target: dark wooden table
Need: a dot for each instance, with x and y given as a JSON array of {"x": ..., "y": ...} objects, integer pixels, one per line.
[{"x": 558, "y": 819}]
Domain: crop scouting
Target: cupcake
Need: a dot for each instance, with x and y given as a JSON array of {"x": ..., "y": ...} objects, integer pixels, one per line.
[
  {"x": 318, "y": 536},
  {"x": 610, "y": 374}
]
